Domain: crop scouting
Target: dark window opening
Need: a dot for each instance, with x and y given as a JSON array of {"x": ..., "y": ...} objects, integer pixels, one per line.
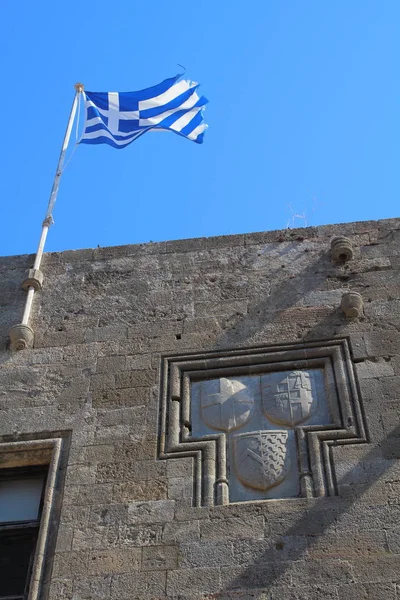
[{"x": 21, "y": 503}]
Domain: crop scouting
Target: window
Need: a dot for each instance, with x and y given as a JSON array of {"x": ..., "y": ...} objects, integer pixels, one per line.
[
  {"x": 32, "y": 475},
  {"x": 21, "y": 502}
]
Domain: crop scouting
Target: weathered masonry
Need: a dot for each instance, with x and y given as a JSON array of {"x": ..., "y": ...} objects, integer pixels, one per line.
[{"x": 213, "y": 418}]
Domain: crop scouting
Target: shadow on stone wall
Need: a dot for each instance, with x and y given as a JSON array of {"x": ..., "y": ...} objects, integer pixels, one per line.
[
  {"x": 268, "y": 570},
  {"x": 279, "y": 308},
  {"x": 273, "y": 567}
]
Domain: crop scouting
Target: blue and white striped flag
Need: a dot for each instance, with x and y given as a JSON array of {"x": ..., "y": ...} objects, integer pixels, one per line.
[{"x": 119, "y": 118}]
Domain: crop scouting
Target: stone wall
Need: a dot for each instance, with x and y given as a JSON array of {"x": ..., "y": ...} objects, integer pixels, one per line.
[{"x": 110, "y": 326}]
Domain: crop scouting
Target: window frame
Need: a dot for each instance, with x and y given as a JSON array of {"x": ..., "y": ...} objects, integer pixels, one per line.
[{"x": 47, "y": 452}]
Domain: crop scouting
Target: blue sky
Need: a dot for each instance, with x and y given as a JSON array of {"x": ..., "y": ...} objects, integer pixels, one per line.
[{"x": 303, "y": 117}]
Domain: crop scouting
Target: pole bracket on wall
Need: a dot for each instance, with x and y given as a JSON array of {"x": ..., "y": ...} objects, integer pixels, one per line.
[
  {"x": 21, "y": 337},
  {"x": 34, "y": 279}
]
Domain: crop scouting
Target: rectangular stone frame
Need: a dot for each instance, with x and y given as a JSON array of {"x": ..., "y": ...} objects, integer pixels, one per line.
[
  {"x": 317, "y": 474},
  {"x": 52, "y": 452}
]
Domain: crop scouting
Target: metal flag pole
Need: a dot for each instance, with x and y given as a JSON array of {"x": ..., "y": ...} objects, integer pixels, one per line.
[{"x": 22, "y": 335}]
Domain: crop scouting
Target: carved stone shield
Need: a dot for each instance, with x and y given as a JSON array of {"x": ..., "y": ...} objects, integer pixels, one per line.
[
  {"x": 226, "y": 404},
  {"x": 261, "y": 459},
  {"x": 288, "y": 397}
]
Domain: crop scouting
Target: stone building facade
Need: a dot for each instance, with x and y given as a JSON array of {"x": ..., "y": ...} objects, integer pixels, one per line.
[{"x": 212, "y": 418}]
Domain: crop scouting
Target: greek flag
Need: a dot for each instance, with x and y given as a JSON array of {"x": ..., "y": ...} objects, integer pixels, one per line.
[{"x": 119, "y": 118}]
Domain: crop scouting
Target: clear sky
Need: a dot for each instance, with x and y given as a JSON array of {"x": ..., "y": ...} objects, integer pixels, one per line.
[{"x": 303, "y": 117}]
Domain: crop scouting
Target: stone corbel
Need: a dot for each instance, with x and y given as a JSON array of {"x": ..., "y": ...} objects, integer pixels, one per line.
[
  {"x": 341, "y": 249},
  {"x": 352, "y": 305}
]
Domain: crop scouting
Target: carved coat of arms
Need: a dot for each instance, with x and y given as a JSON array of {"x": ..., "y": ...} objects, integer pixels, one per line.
[
  {"x": 261, "y": 459},
  {"x": 226, "y": 404},
  {"x": 288, "y": 397}
]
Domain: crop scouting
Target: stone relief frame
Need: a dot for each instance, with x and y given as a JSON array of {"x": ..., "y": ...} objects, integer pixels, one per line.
[
  {"x": 314, "y": 442},
  {"x": 51, "y": 450}
]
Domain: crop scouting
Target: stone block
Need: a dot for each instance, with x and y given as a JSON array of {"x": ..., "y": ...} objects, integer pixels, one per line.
[
  {"x": 131, "y": 471},
  {"x": 180, "y": 487},
  {"x": 134, "y": 450},
  {"x": 348, "y": 547},
  {"x": 97, "y": 453},
  {"x": 101, "y": 334},
  {"x": 79, "y": 388},
  {"x": 221, "y": 529},
  {"x": 64, "y": 538},
  {"x": 109, "y": 562},
  {"x": 180, "y": 467},
  {"x": 205, "y": 554},
  {"x": 87, "y": 495},
  {"x": 310, "y": 592},
  {"x": 88, "y": 588},
  {"x": 138, "y": 535},
  {"x": 158, "y": 511},
  {"x": 138, "y": 362},
  {"x": 379, "y": 569},
  {"x": 334, "y": 571},
  {"x": 70, "y": 565},
  {"x": 372, "y": 369},
  {"x": 204, "y": 309},
  {"x": 81, "y": 474},
  {"x": 177, "y": 532},
  {"x": 149, "y": 469},
  {"x": 118, "y": 347},
  {"x": 115, "y": 433},
  {"x": 158, "y": 558},
  {"x": 165, "y": 327},
  {"x": 297, "y": 522},
  {"x": 273, "y": 549},
  {"x": 189, "y": 245},
  {"x": 200, "y": 582},
  {"x": 76, "y": 516},
  {"x": 61, "y": 589},
  {"x": 139, "y": 586},
  {"x": 393, "y": 540},
  {"x": 108, "y": 399},
  {"x": 109, "y": 514},
  {"x": 224, "y": 241},
  {"x": 122, "y": 416},
  {"x": 394, "y": 493},
  {"x": 260, "y": 575},
  {"x": 88, "y": 538},
  {"x": 371, "y": 518},
  {"x": 111, "y": 364},
  {"x": 152, "y": 489},
  {"x": 371, "y": 391},
  {"x": 135, "y": 379},
  {"x": 390, "y": 387},
  {"x": 200, "y": 324},
  {"x": 51, "y": 338},
  {"x": 382, "y": 309},
  {"x": 322, "y": 298},
  {"x": 102, "y": 381},
  {"x": 371, "y": 591},
  {"x": 299, "y": 234},
  {"x": 382, "y": 344}
]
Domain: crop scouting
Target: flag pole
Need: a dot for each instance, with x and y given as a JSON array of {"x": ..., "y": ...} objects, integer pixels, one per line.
[{"x": 22, "y": 335}]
